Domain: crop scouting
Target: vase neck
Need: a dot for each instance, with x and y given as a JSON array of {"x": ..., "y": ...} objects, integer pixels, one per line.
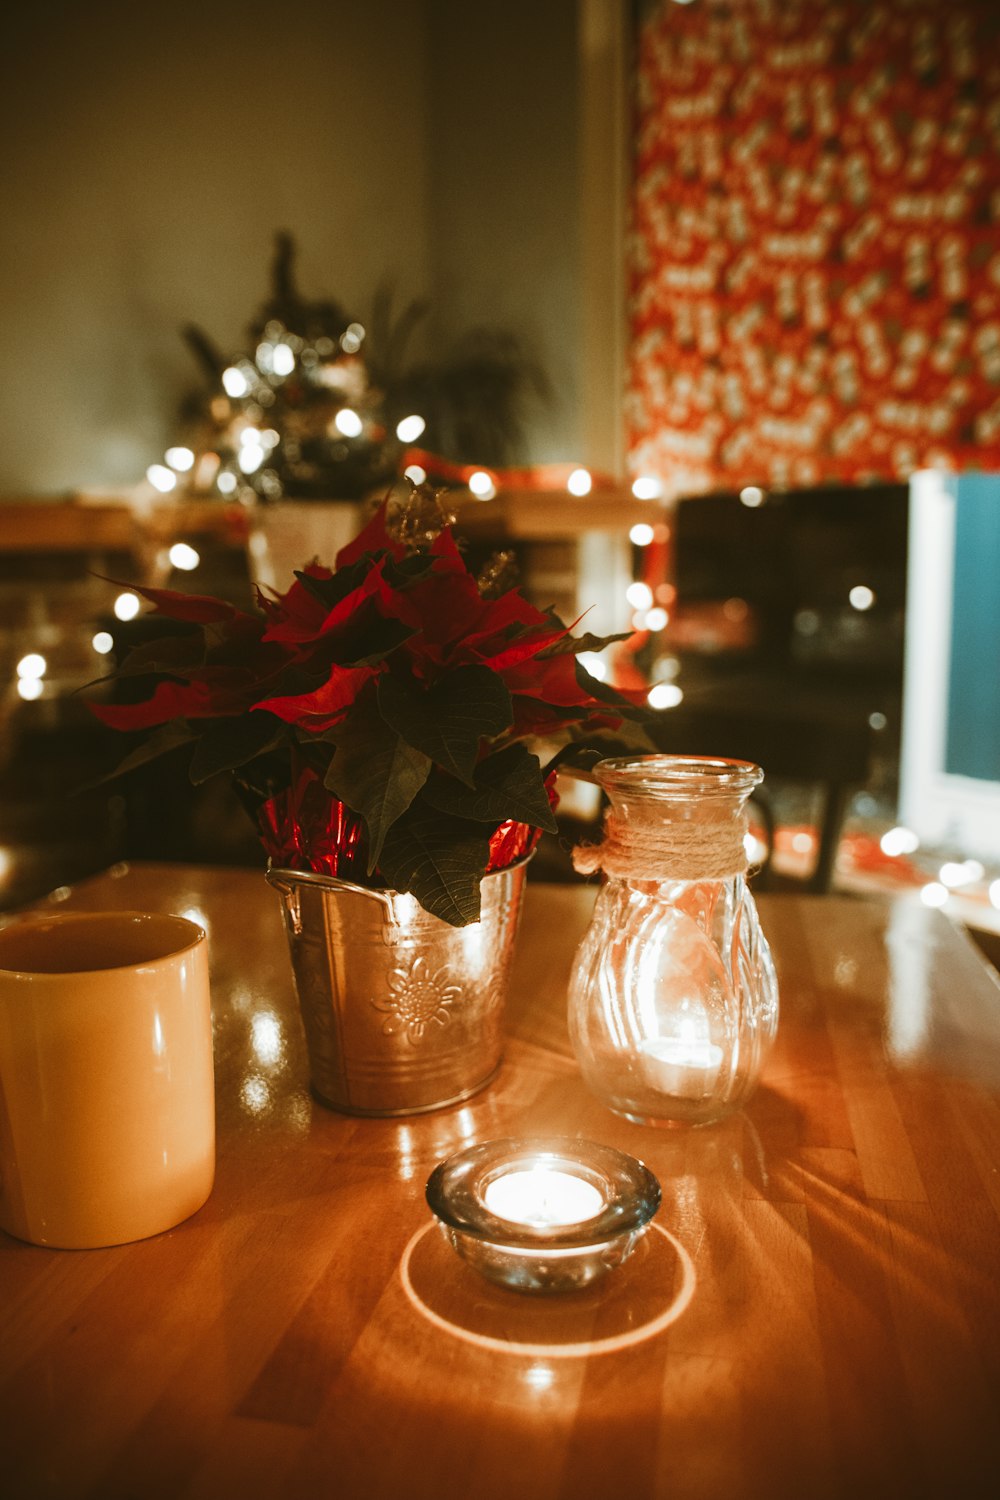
[{"x": 673, "y": 818}]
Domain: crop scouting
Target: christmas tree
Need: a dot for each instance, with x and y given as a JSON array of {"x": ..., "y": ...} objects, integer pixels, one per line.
[{"x": 319, "y": 406}]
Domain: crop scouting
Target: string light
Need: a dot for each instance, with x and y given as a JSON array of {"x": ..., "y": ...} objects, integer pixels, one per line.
[
  {"x": 127, "y": 606},
  {"x": 161, "y": 478},
  {"x": 32, "y": 665},
  {"x": 226, "y": 483},
  {"x": 481, "y": 484},
  {"x": 656, "y": 619},
  {"x": 181, "y": 459},
  {"x": 664, "y": 695},
  {"x": 348, "y": 422},
  {"x": 410, "y": 428},
  {"x": 641, "y": 535},
  {"x": 206, "y": 468},
  {"x": 899, "y": 841},
  {"x": 234, "y": 382},
  {"x": 103, "y": 642},
  {"x": 352, "y": 338},
  {"x": 639, "y": 595},
  {"x": 645, "y": 488},
  {"x": 251, "y": 456},
  {"x": 579, "y": 482},
  {"x": 30, "y": 688},
  {"x": 934, "y": 894},
  {"x": 283, "y": 359},
  {"x": 415, "y": 474},
  {"x": 184, "y": 557},
  {"x": 752, "y": 496},
  {"x": 861, "y": 596}
]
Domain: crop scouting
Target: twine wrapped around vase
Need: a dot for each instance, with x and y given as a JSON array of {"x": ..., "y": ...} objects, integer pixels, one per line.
[{"x": 647, "y": 846}]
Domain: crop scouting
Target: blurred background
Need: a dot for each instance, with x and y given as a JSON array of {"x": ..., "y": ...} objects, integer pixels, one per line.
[{"x": 693, "y": 307}]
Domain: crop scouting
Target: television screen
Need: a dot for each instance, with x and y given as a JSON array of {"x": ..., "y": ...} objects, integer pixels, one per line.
[{"x": 950, "y": 767}]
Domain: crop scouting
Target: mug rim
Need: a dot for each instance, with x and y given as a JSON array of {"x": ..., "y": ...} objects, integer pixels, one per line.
[{"x": 42, "y": 921}]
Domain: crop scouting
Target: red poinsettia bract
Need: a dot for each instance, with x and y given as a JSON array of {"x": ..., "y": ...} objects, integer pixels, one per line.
[{"x": 374, "y": 713}]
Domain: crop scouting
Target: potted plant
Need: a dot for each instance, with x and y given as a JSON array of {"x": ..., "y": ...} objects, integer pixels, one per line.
[{"x": 376, "y": 718}]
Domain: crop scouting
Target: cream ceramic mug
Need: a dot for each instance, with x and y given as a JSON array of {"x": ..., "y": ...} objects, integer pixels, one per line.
[{"x": 107, "y": 1090}]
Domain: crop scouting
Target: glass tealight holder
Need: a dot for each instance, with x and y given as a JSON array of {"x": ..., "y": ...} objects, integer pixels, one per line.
[
  {"x": 673, "y": 1000},
  {"x": 547, "y": 1215}
]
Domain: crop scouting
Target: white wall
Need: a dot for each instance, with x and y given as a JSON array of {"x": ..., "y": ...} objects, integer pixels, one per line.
[
  {"x": 504, "y": 117},
  {"x": 149, "y": 154}
]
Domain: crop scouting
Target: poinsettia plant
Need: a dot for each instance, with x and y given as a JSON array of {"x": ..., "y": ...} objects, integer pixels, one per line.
[{"x": 375, "y": 717}]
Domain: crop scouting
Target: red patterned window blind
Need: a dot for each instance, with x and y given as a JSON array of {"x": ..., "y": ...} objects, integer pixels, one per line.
[{"x": 815, "y": 246}]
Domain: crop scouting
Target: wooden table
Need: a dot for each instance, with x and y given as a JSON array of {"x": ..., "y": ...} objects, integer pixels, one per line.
[{"x": 817, "y": 1312}]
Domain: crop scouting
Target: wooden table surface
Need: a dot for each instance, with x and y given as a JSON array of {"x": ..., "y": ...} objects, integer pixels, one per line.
[{"x": 816, "y": 1313}]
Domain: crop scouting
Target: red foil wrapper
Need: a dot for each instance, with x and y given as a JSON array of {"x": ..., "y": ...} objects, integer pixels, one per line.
[{"x": 304, "y": 828}]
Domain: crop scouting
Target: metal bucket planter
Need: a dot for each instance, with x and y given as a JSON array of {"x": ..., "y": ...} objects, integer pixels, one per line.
[{"x": 402, "y": 1012}]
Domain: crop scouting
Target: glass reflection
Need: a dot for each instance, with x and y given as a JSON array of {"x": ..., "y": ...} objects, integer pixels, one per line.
[
  {"x": 267, "y": 1039},
  {"x": 539, "y": 1375},
  {"x": 404, "y": 1145},
  {"x": 255, "y": 1095},
  {"x": 909, "y": 990}
]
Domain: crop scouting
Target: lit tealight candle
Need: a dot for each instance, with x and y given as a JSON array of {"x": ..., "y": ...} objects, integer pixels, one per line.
[
  {"x": 542, "y": 1215},
  {"x": 542, "y": 1197},
  {"x": 684, "y": 1067}
]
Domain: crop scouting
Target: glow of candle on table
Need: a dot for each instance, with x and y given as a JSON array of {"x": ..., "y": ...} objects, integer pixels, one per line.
[
  {"x": 684, "y": 1066},
  {"x": 542, "y": 1197}
]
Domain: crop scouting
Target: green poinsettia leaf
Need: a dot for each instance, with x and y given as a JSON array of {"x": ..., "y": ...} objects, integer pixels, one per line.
[
  {"x": 398, "y": 574},
  {"x": 448, "y": 720},
  {"x": 382, "y": 636},
  {"x": 374, "y": 771},
  {"x": 638, "y": 712},
  {"x": 167, "y": 654},
  {"x": 509, "y": 784},
  {"x": 578, "y": 755},
  {"x": 405, "y": 571},
  {"x": 228, "y": 743},
  {"x": 168, "y": 737},
  {"x": 330, "y": 591},
  {"x": 577, "y": 643},
  {"x": 438, "y": 859}
]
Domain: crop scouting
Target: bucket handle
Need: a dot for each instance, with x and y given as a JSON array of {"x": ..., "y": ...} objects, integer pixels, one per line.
[
  {"x": 290, "y": 891},
  {"x": 290, "y": 900}
]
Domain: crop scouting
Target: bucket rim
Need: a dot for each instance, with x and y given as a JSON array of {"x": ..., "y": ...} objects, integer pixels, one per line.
[{"x": 279, "y": 876}]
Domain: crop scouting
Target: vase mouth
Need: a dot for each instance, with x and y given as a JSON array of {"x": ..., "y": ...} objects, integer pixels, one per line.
[{"x": 677, "y": 775}]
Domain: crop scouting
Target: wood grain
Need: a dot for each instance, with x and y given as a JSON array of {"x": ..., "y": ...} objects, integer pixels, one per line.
[{"x": 843, "y": 1336}]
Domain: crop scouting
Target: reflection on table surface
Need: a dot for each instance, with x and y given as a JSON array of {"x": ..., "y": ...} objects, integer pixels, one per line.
[{"x": 816, "y": 1312}]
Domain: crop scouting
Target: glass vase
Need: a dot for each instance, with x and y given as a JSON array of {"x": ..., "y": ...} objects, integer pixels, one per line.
[{"x": 673, "y": 1000}]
